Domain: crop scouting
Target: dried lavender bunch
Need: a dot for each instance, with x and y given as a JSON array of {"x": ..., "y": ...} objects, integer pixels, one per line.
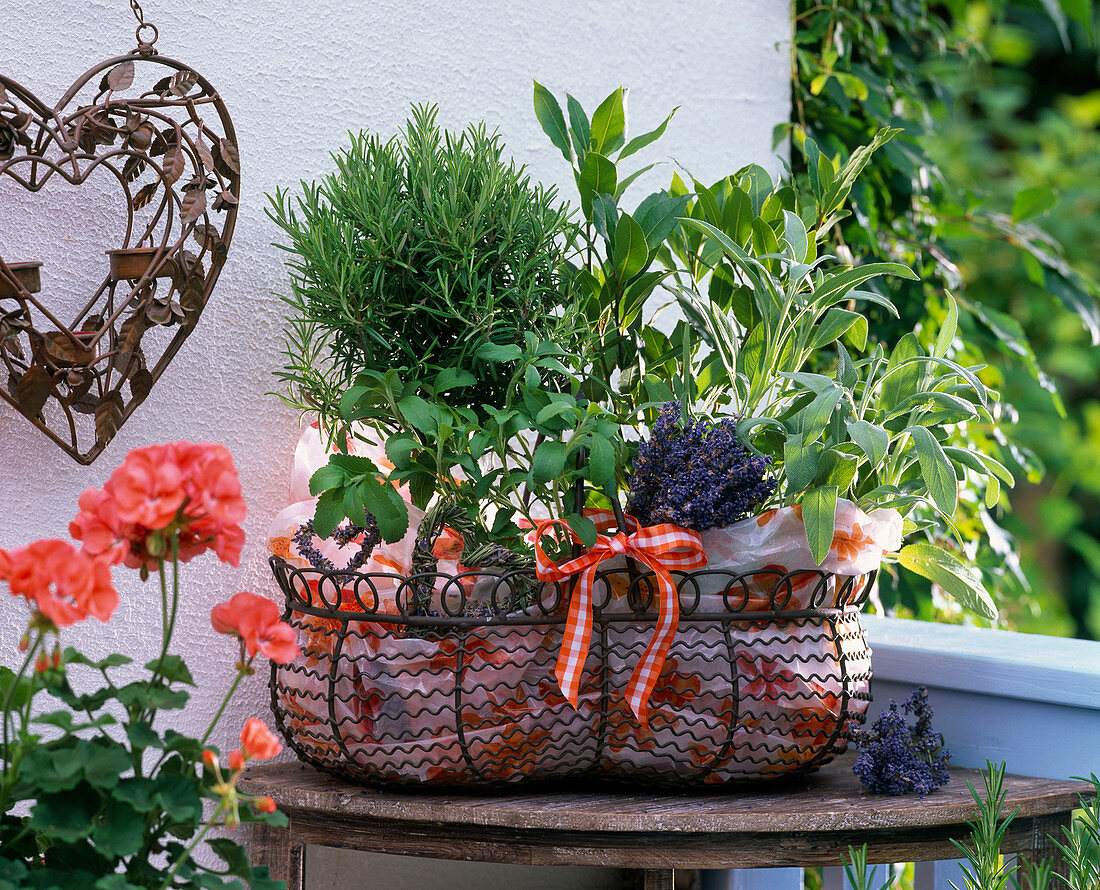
[
  {"x": 697, "y": 475},
  {"x": 898, "y": 758}
]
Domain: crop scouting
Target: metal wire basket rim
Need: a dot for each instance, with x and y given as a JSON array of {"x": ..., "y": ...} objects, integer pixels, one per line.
[{"x": 537, "y": 612}]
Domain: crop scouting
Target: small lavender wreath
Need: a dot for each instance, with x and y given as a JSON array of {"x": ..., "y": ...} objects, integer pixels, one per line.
[{"x": 343, "y": 535}]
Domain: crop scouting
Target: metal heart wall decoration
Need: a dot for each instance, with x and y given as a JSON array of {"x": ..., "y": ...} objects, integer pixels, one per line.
[{"x": 78, "y": 366}]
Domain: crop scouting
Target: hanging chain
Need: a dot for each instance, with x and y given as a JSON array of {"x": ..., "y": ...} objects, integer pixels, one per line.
[{"x": 145, "y": 44}]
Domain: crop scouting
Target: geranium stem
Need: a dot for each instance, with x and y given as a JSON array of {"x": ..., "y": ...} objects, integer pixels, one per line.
[
  {"x": 186, "y": 854},
  {"x": 168, "y": 612},
  {"x": 225, "y": 701},
  {"x": 11, "y": 762}
]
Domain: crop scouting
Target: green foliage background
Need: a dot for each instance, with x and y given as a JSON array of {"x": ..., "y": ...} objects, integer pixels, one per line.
[{"x": 991, "y": 194}]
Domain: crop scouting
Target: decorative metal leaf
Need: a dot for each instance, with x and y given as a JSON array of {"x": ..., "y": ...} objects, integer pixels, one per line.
[
  {"x": 33, "y": 389},
  {"x": 140, "y": 385},
  {"x": 3, "y": 96},
  {"x": 193, "y": 298},
  {"x": 189, "y": 268},
  {"x": 174, "y": 165},
  {"x": 182, "y": 82},
  {"x": 207, "y": 235},
  {"x": 133, "y": 168},
  {"x": 119, "y": 78},
  {"x": 101, "y": 127},
  {"x": 144, "y": 195},
  {"x": 160, "y": 144},
  {"x": 130, "y": 333},
  {"x": 9, "y": 343},
  {"x": 86, "y": 404},
  {"x": 204, "y": 154},
  {"x": 108, "y": 416},
  {"x": 229, "y": 155},
  {"x": 194, "y": 205},
  {"x": 61, "y": 350},
  {"x": 128, "y": 362}
]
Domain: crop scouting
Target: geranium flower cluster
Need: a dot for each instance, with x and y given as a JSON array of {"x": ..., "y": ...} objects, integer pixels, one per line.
[
  {"x": 183, "y": 489},
  {"x": 257, "y": 743},
  {"x": 697, "y": 475},
  {"x": 898, "y": 758},
  {"x": 62, "y": 583},
  {"x": 255, "y": 621}
]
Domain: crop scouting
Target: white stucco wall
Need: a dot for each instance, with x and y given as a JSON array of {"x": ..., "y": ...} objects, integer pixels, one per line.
[{"x": 297, "y": 76}]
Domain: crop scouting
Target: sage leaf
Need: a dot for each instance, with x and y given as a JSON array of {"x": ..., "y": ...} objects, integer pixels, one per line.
[
  {"x": 936, "y": 469},
  {"x": 962, "y": 582},
  {"x": 819, "y": 517},
  {"x": 872, "y": 440}
]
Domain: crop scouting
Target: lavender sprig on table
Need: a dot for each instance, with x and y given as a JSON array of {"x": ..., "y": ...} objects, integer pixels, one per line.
[
  {"x": 898, "y": 758},
  {"x": 696, "y": 475}
]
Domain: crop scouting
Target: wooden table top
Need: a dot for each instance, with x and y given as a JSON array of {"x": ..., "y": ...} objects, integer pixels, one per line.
[{"x": 829, "y": 800}]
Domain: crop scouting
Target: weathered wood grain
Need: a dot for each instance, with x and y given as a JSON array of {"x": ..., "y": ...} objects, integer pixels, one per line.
[
  {"x": 831, "y": 800},
  {"x": 810, "y": 823}
]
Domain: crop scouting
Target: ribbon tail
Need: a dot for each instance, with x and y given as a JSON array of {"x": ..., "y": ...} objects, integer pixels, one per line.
[
  {"x": 648, "y": 670},
  {"x": 578, "y": 633}
]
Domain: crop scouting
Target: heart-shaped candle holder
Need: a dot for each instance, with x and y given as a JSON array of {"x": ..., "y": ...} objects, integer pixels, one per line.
[{"x": 158, "y": 128}]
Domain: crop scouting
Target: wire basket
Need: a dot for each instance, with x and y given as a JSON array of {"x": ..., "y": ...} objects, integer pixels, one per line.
[{"x": 449, "y": 679}]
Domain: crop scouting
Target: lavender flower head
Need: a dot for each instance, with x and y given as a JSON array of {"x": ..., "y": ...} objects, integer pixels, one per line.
[
  {"x": 896, "y": 758},
  {"x": 697, "y": 476}
]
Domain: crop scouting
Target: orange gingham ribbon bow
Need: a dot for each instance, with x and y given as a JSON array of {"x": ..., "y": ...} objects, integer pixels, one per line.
[{"x": 663, "y": 548}]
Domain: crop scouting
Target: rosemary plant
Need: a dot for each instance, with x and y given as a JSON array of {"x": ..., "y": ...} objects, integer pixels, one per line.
[
  {"x": 987, "y": 870},
  {"x": 855, "y": 870},
  {"x": 413, "y": 256}
]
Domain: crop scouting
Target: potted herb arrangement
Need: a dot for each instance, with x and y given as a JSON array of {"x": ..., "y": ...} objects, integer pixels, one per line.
[{"x": 533, "y": 534}]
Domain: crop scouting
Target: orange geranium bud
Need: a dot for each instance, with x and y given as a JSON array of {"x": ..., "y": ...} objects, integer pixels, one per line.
[
  {"x": 236, "y": 760},
  {"x": 265, "y": 804},
  {"x": 210, "y": 758},
  {"x": 259, "y": 742},
  {"x": 42, "y": 663},
  {"x": 55, "y": 659},
  {"x": 24, "y": 642}
]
